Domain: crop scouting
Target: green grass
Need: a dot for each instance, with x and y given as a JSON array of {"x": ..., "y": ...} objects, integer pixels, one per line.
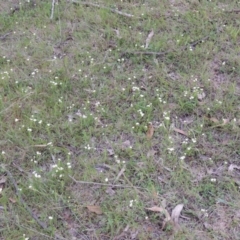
[{"x": 76, "y": 97}]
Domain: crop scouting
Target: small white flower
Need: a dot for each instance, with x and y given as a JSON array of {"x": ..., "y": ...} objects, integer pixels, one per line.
[
  {"x": 50, "y": 218},
  {"x": 170, "y": 149},
  {"x": 106, "y": 179}
]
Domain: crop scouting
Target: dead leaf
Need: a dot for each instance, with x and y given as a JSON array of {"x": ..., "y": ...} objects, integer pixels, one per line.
[
  {"x": 208, "y": 226},
  {"x": 95, "y": 209},
  {"x": 150, "y": 131},
  {"x": 149, "y": 38},
  {"x": 220, "y": 123},
  {"x": 201, "y": 96},
  {"x": 117, "y": 32},
  {"x": 213, "y": 119},
  {"x": 225, "y": 121},
  {"x": 232, "y": 167},
  {"x": 3, "y": 179},
  {"x": 180, "y": 131},
  {"x": 176, "y": 213},
  {"x": 151, "y": 153},
  {"x": 110, "y": 152},
  {"x": 161, "y": 210},
  {"x": 126, "y": 144},
  {"x": 134, "y": 234},
  {"x": 110, "y": 191},
  {"x": 156, "y": 209},
  {"x": 12, "y": 200}
]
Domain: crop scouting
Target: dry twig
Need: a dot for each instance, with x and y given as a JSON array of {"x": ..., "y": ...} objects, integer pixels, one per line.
[
  {"x": 125, "y": 177},
  {"x": 103, "y": 7},
  {"x": 104, "y": 184},
  {"x": 120, "y": 174},
  {"x": 40, "y": 223},
  {"x": 11, "y": 105},
  {"x": 160, "y": 54},
  {"x": 52, "y": 11}
]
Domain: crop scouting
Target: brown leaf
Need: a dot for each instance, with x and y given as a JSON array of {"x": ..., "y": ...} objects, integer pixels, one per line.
[
  {"x": 149, "y": 38},
  {"x": 150, "y": 131},
  {"x": 156, "y": 209},
  {"x": 110, "y": 191},
  {"x": 95, "y": 209},
  {"x": 3, "y": 179},
  {"x": 12, "y": 200},
  {"x": 201, "y": 96},
  {"x": 213, "y": 119},
  {"x": 161, "y": 210},
  {"x": 176, "y": 213},
  {"x": 180, "y": 131},
  {"x": 220, "y": 123},
  {"x": 151, "y": 153},
  {"x": 126, "y": 144},
  {"x": 225, "y": 121},
  {"x": 110, "y": 152},
  {"x": 232, "y": 167}
]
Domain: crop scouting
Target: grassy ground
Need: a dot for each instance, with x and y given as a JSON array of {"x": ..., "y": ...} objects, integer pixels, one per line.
[{"x": 77, "y": 93}]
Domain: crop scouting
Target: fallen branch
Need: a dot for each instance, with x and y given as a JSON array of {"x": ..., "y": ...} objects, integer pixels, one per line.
[
  {"x": 11, "y": 105},
  {"x": 40, "y": 223},
  {"x": 3, "y": 37},
  {"x": 103, "y": 7},
  {"x": 52, "y": 11},
  {"x": 233, "y": 11},
  {"x": 159, "y": 54},
  {"x": 120, "y": 174},
  {"x": 113, "y": 185},
  {"x": 147, "y": 53},
  {"x": 104, "y": 184}
]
